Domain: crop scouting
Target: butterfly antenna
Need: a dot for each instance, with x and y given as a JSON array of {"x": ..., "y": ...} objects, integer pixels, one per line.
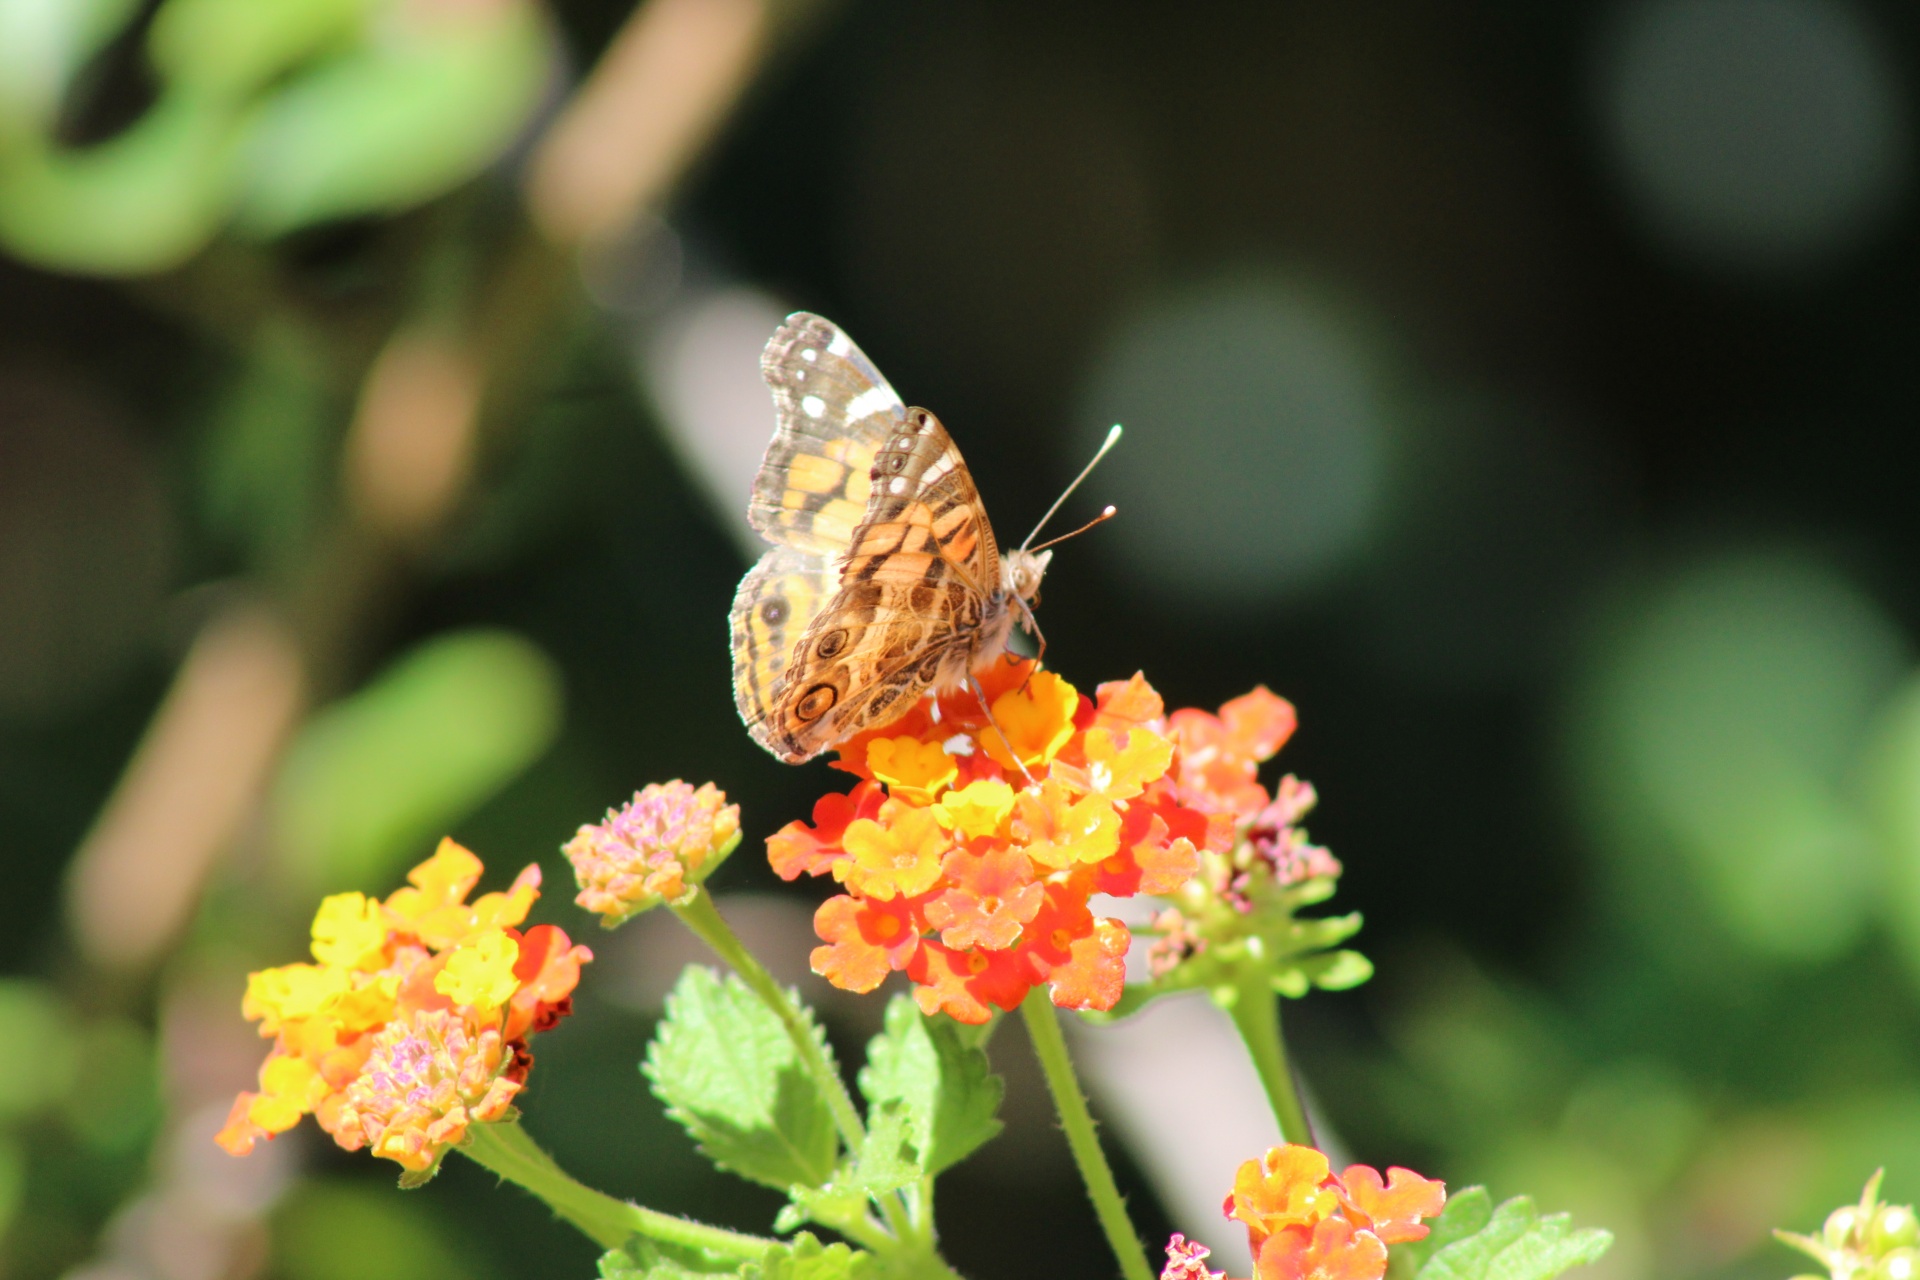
[
  {"x": 1102, "y": 518},
  {"x": 1113, "y": 438}
]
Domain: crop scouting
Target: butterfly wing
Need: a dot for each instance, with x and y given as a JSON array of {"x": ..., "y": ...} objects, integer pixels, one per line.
[
  {"x": 913, "y": 605},
  {"x": 776, "y": 601},
  {"x": 834, "y": 413}
]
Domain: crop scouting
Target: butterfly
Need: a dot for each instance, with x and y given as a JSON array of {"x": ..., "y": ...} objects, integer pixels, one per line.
[{"x": 884, "y": 582}]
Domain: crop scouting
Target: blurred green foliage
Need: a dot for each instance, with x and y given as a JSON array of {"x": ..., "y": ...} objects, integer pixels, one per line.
[{"x": 266, "y": 117}]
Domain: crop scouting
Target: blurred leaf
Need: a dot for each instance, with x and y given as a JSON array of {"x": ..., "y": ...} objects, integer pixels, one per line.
[
  {"x": 43, "y": 43},
  {"x": 948, "y": 1095},
  {"x": 144, "y": 201},
  {"x": 1517, "y": 1244},
  {"x": 374, "y": 778},
  {"x": 1725, "y": 728},
  {"x": 114, "y": 1104},
  {"x": 328, "y": 1231},
  {"x": 728, "y": 1073},
  {"x": 266, "y": 459},
  {"x": 394, "y": 123},
  {"x": 13, "y": 1181},
  {"x": 229, "y": 48},
  {"x": 1892, "y": 772},
  {"x": 41, "y": 1047},
  {"x": 1467, "y": 1213}
]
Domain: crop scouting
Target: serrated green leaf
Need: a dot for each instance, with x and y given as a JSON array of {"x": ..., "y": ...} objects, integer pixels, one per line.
[
  {"x": 889, "y": 1160},
  {"x": 940, "y": 1088},
  {"x": 730, "y": 1076},
  {"x": 807, "y": 1259},
  {"x": 1467, "y": 1213},
  {"x": 1517, "y": 1244}
]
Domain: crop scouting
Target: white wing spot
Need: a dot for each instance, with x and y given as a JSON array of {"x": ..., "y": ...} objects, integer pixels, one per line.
[
  {"x": 872, "y": 400},
  {"x": 899, "y": 485},
  {"x": 841, "y": 344},
  {"x": 813, "y": 405},
  {"x": 809, "y": 354}
]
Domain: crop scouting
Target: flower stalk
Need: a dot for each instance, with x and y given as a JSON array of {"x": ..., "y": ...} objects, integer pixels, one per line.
[
  {"x": 507, "y": 1151},
  {"x": 1050, "y": 1046},
  {"x": 1255, "y": 1011}
]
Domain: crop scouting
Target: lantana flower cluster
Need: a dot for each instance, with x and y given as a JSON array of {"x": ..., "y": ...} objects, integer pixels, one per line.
[
  {"x": 1305, "y": 1223},
  {"x": 1268, "y": 867},
  {"x": 656, "y": 848},
  {"x": 972, "y": 844},
  {"x": 413, "y": 1021}
]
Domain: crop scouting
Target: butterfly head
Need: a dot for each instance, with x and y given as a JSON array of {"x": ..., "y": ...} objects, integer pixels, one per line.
[{"x": 1021, "y": 572}]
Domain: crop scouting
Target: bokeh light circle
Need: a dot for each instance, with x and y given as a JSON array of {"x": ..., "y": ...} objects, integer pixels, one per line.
[
  {"x": 1761, "y": 135},
  {"x": 1256, "y": 439}
]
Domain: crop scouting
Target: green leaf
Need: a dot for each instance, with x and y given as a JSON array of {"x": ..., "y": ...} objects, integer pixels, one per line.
[
  {"x": 230, "y": 48},
  {"x": 730, "y": 1076},
  {"x": 395, "y": 122},
  {"x": 143, "y": 201},
  {"x": 807, "y": 1259},
  {"x": 941, "y": 1088},
  {"x": 43, "y": 43},
  {"x": 1517, "y": 1244},
  {"x": 375, "y": 778},
  {"x": 890, "y": 1159},
  {"x": 1467, "y": 1213}
]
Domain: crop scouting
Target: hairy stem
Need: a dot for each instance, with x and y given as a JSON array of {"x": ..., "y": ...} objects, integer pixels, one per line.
[
  {"x": 505, "y": 1149},
  {"x": 1050, "y": 1046}
]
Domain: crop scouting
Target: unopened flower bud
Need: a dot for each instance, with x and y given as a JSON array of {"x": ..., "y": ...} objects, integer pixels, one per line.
[{"x": 1894, "y": 1226}]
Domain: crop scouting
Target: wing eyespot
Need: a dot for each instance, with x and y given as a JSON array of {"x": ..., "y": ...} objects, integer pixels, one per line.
[
  {"x": 831, "y": 644},
  {"x": 816, "y": 702},
  {"x": 774, "y": 612}
]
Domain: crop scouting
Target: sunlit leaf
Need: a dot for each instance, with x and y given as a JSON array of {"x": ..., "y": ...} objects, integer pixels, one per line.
[
  {"x": 143, "y": 201},
  {"x": 948, "y": 1097},
  {"x": 395, "y": 122},
  {"x": 730, "y": 1076},
  {"x": 373, "y": 779}
]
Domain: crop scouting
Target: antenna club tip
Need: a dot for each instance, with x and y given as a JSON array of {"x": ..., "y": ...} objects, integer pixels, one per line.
[
  {"x": 1109, "y": 511},
  {"x": 1113, "y": 434}
]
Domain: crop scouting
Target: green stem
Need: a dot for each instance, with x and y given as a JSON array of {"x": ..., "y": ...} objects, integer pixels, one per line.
[
  {"x": 1256, "y": 1015},
  {"x": 506, "y": 1150},
  {"x": 701, "y": 916},
  {"x": 1050, "y": 1046}
]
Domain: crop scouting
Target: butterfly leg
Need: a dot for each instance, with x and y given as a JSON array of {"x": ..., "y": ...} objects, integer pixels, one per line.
[
  {"x": 981, "y": 694},
  {"x": 1040, "y": 637}
]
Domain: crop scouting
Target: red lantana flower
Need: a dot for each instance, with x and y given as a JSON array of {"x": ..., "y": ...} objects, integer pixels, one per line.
[{"x": 971, "y": 845}]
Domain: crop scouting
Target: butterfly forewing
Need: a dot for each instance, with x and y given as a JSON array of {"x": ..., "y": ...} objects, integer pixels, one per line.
[{"x": 835, "y": 412}]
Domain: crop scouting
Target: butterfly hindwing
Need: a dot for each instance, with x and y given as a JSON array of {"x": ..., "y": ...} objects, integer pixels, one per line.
[
  {"x": 777, "y": 600},
  {"x": 835, "y": 413}
]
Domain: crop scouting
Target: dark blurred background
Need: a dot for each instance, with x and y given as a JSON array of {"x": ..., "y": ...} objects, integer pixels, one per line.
[{"x": 1523, "y": 390}]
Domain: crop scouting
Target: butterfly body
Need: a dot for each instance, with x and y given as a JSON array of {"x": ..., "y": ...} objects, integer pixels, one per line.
[{"x": 884, "y": 582}]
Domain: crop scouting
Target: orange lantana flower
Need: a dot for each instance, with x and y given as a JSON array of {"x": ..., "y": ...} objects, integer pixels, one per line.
[
  {"x": 413, "y": 1024},
  {"x": 1304, "y": 1223},
  {"x": 972, "y": 844}
]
